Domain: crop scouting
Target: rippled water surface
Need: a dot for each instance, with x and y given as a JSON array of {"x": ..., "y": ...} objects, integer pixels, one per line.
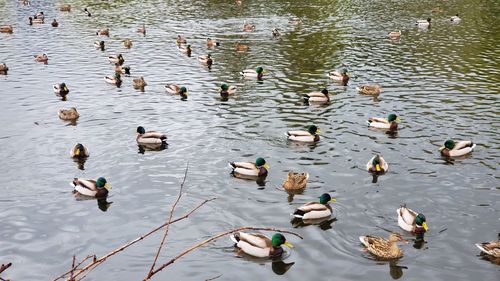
[{"x": 443, "y": 82}]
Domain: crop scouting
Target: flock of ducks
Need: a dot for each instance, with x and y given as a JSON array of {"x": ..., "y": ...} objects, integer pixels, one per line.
[{"x": 254, "y": 244}]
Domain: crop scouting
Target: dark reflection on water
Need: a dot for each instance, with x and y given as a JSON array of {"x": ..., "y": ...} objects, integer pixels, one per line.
[{"x": 442, "y": 81}]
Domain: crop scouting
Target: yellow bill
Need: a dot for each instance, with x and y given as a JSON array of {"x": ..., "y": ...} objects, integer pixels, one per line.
[
  {"x": 398, "y": 119},
  {"x": 333, "y": 200},
  {"x": 77, "y": 151},
  {"x": 288, "y": 244},
  {"x": 107, "y": 186},
  {"x": 377, "y": 167},
  {"x": 266, "y": 166},
  {"x": 424, "y": 225}
]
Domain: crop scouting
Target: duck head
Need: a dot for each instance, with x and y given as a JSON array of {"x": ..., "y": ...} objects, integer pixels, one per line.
[
  {"x": 376, "y": 163},
  {"x": 313, "y": 130},
  {"x": 325, "y": 92},
  {"x": 101, "y": 45},
  {"x": 102, "y": 183},
  {"x": 448, "y": 144},
  {"x": 259, "y": 70},
  {"x": 79, "y": 150},
  {"x": 429, "y": 20},
  {"x": 421, "y": 221},
  {"x": 279, "y": 239},
  {"x": 224, "y": 87},
  {"x": 260, "y": 162},
  {"x": 31, "y": 20},
  {"x": 140, "y": 130},
  {"x": 325, "y": 198},
  {"x": 63, "y": 87}
]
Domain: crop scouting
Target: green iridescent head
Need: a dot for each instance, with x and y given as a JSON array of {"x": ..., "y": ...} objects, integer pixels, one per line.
[
  {"x": 260, "y": 162},
  {"x": 325, "y": 198},
  {"x": 312, "y": 129},
  {"x": 183, "y": 90},
  {"x": 376, "y": 160},
  {"x": 392, "y": 117},
  {"x": 450, "y": 144},
  {"x": 224, "y": 86},
  {"x": 141, "y": 130},
  {"x": 344, "y": 71},
  {"x": 278, "y": 239},
  {"x": 100, "y": 182},
  {"x": 259, "y": 69}
]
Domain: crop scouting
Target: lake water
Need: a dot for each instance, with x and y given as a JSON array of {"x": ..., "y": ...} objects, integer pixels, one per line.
[{"x": 443, "y": 82}]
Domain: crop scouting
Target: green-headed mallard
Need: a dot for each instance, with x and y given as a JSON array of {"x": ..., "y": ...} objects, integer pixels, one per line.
[
  {"x": 240, "y": 47},
  {"x": 411, "y": 221},
  {"x": 454, "y": 149},
  {"x": 491, "y": 248},
  {"x": 116, "y": 59},
  {"x": 318, "y": 97},
  {"x": 295, "y": 181},
  {"x": 41, "y": 58},
  {"x": 206, "y": 60},
  {"x": 3, "y": 68},
  {"x": 104, "y": 32},
  {"x": 250, "y": 73},
  {"x": 61, "y": 89},
  {"x": 79, "y": 151},
  {"x": 455, "y": 18},
  {"x": 259, "y": 245},
  {"x": 395, "y": 34},
  {"x": 65, "y": 8},
  {"x": 54, "y": 23},
  {"x": 139, "y": 82},
  {"x": 369, "y": 90},
  {"x": 91, "y": 188},
  {"x": 186, "y": 49},
  {"x": 390, "y": 123},
  {"x": 423, "y": 23},
  {"x": 315, "y": 210},
  {"x": 122, "y": 69},
  {"x": 377, "y": 164},
  {"x": 339, "y": 76},
  {"x": 36, "y": 20},
  {"x": 99, "y": 45},
  {"x": 212, "y": 42},
  {"x": 6, "y": 29},
  {"x": 248, "y": 26},
  {"x": 115, "y": 80},
  {"x": 176, "y": 89},
  {"x": 311, "y": 135},
  {"x": 226, "y": 90},
  {"x": 249, "y": 170},
  {"x": 68, "y": 114},
  {"x": 150, "y": 138},
  {"x": 382, "y": 248}
]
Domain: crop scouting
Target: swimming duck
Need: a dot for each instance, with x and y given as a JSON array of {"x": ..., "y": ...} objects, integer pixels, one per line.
[
  {"x": 104, "y": 32},
  {"x": 339, "y": 76},
  {"x": 383, "y": 248},
  {"x": 295, "y": 181},
  {"x": 3, "y": 67},
  {"x": 65, "y": 8},
  {"x": 122, "y": 69},
  {"x": 377, "y": 164},
  {"x": 116, "y": 59},
  {"x": 6, "y": 29},
  {"x": 371, "y": 90},
  {"x": 99, "y": 45},
  {"x": 54, "y": 23},
  {"x": 68, "y": 114},
  {"x": 176, "y": 89},
  {"x": 91, "y": 188},
  {"x": 250, "y": 73},
  {"x": 185, "y": 49},
  {"x": 212, "y": 42},
  {"x": 180, "y": 40},
  {"x": 249, "y": 170},
  {"x": 390, "y": 123},
  {"x": 318, "y": 97},
  {"x": 150, "y": 137},
  {"x": 455, "y": 18},
  {"x": 226, "y": 90},
  {"x": 296, "y": 21},
  {"x": 259, "y": 245},
  {"x": 41, "y": 58},
  {"x": 248, "y": 26},
  {"x": 315, "y": 210},
  {"x": 240, "y": 47},
  {"x": 35, "y": 20},
  {"x": 459, "y": 148},
  {"x": 40, "y": 16},
  {"x": 79, "y": 151},
  {"x": 311, "y": 135},
  {"x": 424, "y": 23},
  {"x": 115, "y": 80},
  {"x": 139, "y": 82},
  {"x": 142, "y": 29},
  {"x": 491, "y": 248},
  {"x": 127, "y": 43},
  {"x": 411, "y": 221},
  {"x": 207, "y": 60},
  {"x": 276, "y": 32},
  {"x": 395, "y": 34},
  {"x": 87, "y": 12},
  {"x": 61, "y": 89}
]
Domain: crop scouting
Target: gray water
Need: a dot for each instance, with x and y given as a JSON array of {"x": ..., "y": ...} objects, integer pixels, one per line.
[{"x": 443, "y": 82}]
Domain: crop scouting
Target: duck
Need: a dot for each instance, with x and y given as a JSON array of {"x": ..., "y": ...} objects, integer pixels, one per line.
[
  {"x": 104, "y": 32},
  {"x": 207, "y": 60},
  {"x": 453, "y": 148},
  {"x": 295, "y": 21},
  {"x": 3, "y": 67},
  {"x": 99, "y": 45},
  {"x": 390, "y": 123},
  {"x": 68, "y": 114},
  {"x": 55, "y": 23},
  {"x": 65, "y": 8},
  {"x": 115, "y": 80},
  {"x": 295, "y": 181},
  {"x": 315, "y": 210},
  {"x": 383, "y": 248},
  {"x": 339, "y": 76},
  {"x": 139, "y": 82},
  {"x": 395, "y": 34},
  {"x": 248, "y": 27},
  {"x": 318, "y": 97},
  {"x": 491, "y": 248},
  {"x": 122, "y": 69},
  {"x": 423, "y": 23},
  {"x": 370, "y": 90},
  {"x": 79, "y": 151},
  {"x": 226, "y": 90},
  {"x": 260, "y": 246},
  {"x": 455, "y": 18},
  {"x": 93, "y": 188},
  {"x": 40, "y": 15},
  {"x": 250, "y": 73},
  {"x": 185, "y": 49},
  {"x": 180, "y": 40},
  {"x": 212, "y": 42},
  {"x": 411, "y": 221},
  {"x": 250, "y": 170},
  {"x": 311, "y": 135},
  {"x": 41, "y": 58},
  {"x": 142, "y": 29},
  {"x": 150, "y": 138},
  {"x": 61, "y": 89},
  {"x": 176, "y": 89},
  {"x": 377, "y": 164},
  {"x": 240, "y": 47},
  {"x": 116, "y": 59},
  {"x": 35, "y": 20},
  {"x": 276, "y": 32},
  {"x": 87, "y": 12},
  {"x": 127, "y": 43},
  {"x": 6, "y": 29}
]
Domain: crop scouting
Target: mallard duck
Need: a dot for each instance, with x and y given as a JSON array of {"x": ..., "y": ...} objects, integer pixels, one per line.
[
  {"x": 250, "y": 73},
  {"x": 371, "y": 90},
  {"x": 6, "y": 29},
  {"x": 411, "y": 221},
  {"x": 104, "y": 32},
  {"x": 318, "y": 97},
  {"x": 240, "y": 47},
  {"x": 311, "y": 135},
  {"x": 248, "y": 26},
  {"x": 390, "y": 123},
  {"x": 116, "y": 59},
  {"x": 176, "y": 89},
  {"x": 423, "y": 23},
  {"x": 35, "y": 20},
  {"x": 91, "y": 188},
  {"x": 382, "y": 248},
  {"x": 395, "y": 34},
  {"x": 87, "y": 12},
  {"x": 207, "y": 60},
  {"x": 339, "y": 76},
  {"x": 41, "y": 58},
  {"x": 115, "y": 80},
  {"x": 315, "y": 210},
  {"x": 142, "y": 29},
  {"x": 259, "y": 245},
  {"x": 295, "y": 21},
  {"x": 127, "y": 43},
  {"x": 150, "y": 137},
  {"x": 455, "y": 18},
  {"x": 65, "y": 8},
  {"x": 139, "y": 82},
  {"x": 79, "y": 151},
  {"x": 212, "y": 42},
  {"x": 55, "y": 23},
  {"x": 40, "y": 16},
  {"x": 491, "y": 248},
  {"x": 295, "y": 181},
  {"x": 68, "y": 114},
  {"x": 249, "y": 170},
  {"x": 185, "y": 49},
  {"x": 180, "y": 40},
  {"x": 61, "y": 89},
  {"x": 459, "y": 148},
  {"x": 122, "y": 69},
  {"x": 377, "y": 164},
  {"x": 226, "y": 90},
  {"x": 276, "y": 32},
  {"x": 3, "y": 67},
  {"x": 99, "y": 45}
]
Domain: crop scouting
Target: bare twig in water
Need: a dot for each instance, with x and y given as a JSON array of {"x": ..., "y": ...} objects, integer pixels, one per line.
[
  {"x": 3, "y": 267},
  {"x": 169, "y": 219},
  {"x": 215, "y": 237},
  {"x": 72, "y": 268},
  {"x": 98, "y": 261},
  {"x": 213, "y": 278}
]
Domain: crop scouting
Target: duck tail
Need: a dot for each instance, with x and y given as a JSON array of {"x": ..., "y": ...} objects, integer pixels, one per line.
[
  {"x": 299, "y": 214},
  {"x": 235, "y": 238}
]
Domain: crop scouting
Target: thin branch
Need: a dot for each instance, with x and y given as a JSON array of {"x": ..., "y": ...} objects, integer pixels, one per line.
[
  {"x": 72, "y": 268},
  {"x": 168, "y": 222},
  {"x": 215, "y": 237},
  {"x": 4, "y": 267},
  {"x": 213, "y": 278}
]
